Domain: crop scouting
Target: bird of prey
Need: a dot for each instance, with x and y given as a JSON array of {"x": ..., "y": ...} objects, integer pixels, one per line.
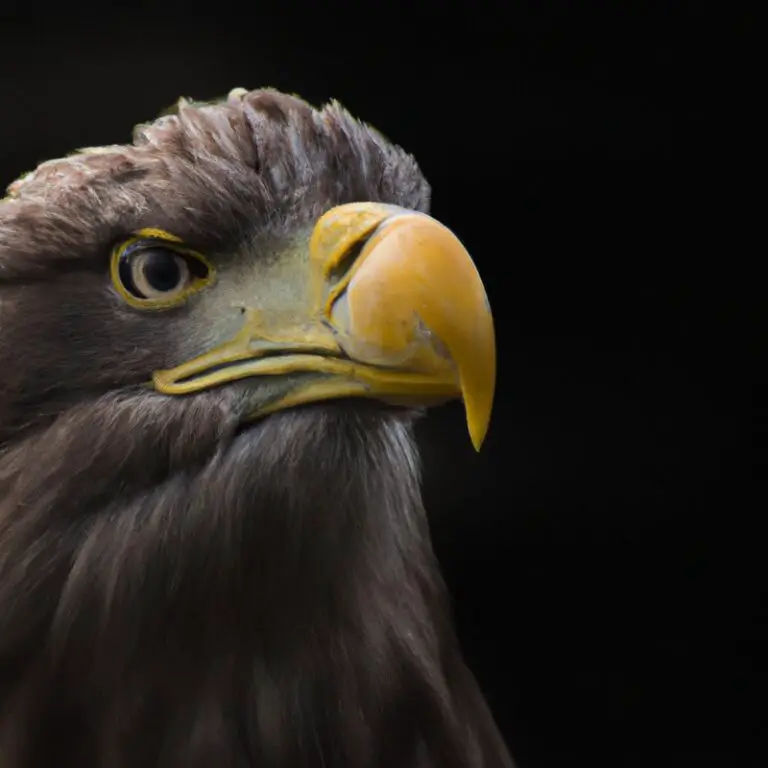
[{"x": 213, "y": 550}]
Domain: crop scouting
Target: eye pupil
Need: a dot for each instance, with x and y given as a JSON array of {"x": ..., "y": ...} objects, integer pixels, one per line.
[{"x": 162, "y": 270}]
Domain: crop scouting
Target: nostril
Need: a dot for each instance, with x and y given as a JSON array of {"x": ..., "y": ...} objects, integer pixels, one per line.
[{"x": 344, "y": 264}]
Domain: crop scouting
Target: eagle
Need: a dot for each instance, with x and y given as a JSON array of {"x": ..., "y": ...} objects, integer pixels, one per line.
[{"x": 214, "y": 342}]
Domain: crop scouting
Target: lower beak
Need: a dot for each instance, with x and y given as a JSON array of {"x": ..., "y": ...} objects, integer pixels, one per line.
[{"x": 395, "y": 310}]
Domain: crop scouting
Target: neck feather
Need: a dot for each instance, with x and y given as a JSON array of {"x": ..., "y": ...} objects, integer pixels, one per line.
[{"x": 178, "y": 593}]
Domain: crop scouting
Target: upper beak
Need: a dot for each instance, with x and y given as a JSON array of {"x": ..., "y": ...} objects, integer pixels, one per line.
[{"x": 394, "y": 309}]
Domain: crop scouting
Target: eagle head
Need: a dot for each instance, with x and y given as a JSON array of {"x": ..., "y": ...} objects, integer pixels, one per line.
[{"x": 212, "y": 546}]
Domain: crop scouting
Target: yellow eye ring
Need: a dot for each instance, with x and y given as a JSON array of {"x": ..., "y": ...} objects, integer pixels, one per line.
[{"x": 153, "y": 270}]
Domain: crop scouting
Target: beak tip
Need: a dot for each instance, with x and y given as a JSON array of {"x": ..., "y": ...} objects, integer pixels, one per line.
[{"x": 477, "y": 427}]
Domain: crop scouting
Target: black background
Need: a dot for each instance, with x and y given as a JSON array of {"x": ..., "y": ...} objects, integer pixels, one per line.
[{"x": 605, "y": 580}]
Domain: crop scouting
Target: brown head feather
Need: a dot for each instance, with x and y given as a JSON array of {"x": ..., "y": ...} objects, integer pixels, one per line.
[{"x": 215, "y": 172}]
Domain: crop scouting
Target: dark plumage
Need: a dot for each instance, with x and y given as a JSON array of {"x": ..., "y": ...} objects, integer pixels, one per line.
[{"x": 178, "y": 588}]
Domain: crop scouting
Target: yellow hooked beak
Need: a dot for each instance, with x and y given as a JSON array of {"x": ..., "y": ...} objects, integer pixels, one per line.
[{"x": 389, "y": 305}]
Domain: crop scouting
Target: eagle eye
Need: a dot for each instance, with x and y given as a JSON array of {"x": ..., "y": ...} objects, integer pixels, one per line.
[{"x": 152, "y": 270}]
